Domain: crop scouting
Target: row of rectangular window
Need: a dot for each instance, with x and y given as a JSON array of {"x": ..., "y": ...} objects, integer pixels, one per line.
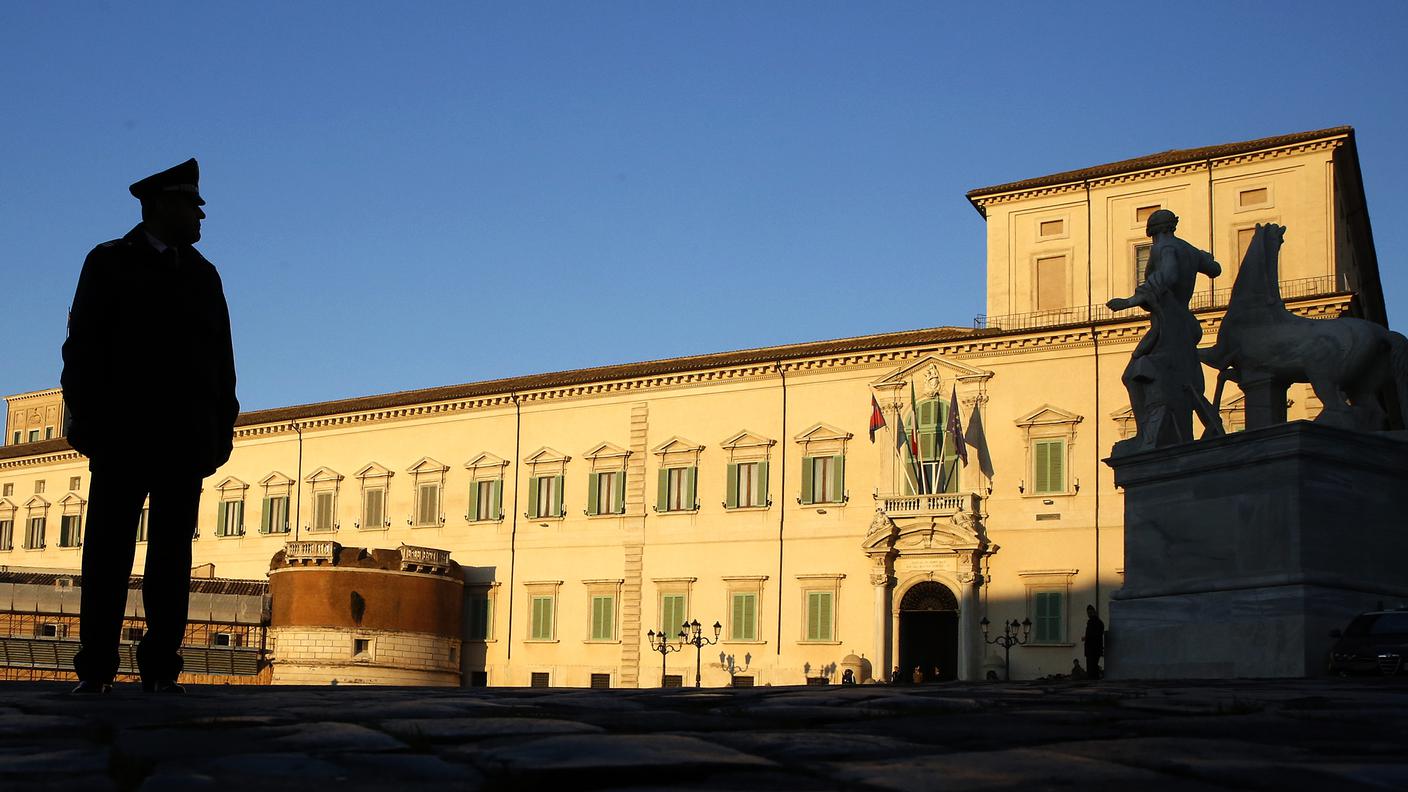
[
  {"x": 742, "y": 624},
  {"x": 8, "y": 488},
  {"x": 33, "y": 437},
  {"x": 70, "y": 532}
]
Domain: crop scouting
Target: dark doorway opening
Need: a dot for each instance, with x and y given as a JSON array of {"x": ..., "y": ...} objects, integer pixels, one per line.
[{"x": 929, "y": 632}]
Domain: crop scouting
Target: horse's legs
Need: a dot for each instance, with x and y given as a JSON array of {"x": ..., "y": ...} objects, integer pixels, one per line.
[{"x": 1335, "y": 411}]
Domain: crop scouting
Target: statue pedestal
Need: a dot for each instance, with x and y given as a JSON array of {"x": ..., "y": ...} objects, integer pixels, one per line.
[{"x": 1242, "y": 552}]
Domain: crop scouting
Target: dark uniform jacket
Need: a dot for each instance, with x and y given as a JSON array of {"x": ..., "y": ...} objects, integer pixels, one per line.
[{"x": 149, "y": 368}]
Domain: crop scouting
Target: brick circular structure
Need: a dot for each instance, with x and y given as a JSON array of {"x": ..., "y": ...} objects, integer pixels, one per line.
[{"x": 353, "y": 615}]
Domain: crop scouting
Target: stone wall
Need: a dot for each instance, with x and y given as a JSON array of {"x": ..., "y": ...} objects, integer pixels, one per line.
[{"x": 329, "y": 655}]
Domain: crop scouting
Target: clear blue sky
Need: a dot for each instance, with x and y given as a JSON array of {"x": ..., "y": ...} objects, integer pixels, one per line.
[{"x": 404, "y": 195}]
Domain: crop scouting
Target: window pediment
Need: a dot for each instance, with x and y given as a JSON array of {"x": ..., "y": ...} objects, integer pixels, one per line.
[
  {"x": 605, "y": 451},
  {"x": 426, "y": 465},
  {"x": 323, "y": 475},
  {"x": 486, "y": 462},
  {"x": 73, "y": 499},
  {"x": 1048, "y": 416},
  {"x": 7, "y": 507},
  {"x": 275, "y": 479},
  {"x": 374, "y": 470},
  {"x": 546, "y": 455},
  {"x": 677, "y": 445},
  {"x": 822, "y": 432},
  {"x": 231, "y": 486},
  {"x": 746, "y": 440},
  {"x": 36, "y": 502}
]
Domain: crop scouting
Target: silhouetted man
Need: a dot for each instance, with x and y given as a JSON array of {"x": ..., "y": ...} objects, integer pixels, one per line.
[
  {"x": 149, "y": 379},
  {"x": 1094, "y": 642}
]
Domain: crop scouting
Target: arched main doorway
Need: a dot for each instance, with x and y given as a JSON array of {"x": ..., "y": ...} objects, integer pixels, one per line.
[{"x": 929, "y": 632}]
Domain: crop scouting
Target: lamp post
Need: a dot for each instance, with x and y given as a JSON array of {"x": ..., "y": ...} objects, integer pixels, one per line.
[
  {"x": 660, "y": 642},
  {"x": 1007, "y": 640},
  {"x": 694, "y": 636}
]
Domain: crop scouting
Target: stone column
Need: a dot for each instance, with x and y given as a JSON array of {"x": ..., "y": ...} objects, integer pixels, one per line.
[
  {"x": 880, "y": 579},
  {"x": 969, "y": 646}
]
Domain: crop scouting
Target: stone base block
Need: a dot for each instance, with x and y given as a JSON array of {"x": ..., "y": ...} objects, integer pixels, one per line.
[
  {"x": 1280, "y": 631},
  {"x": 1243, "y": 552}
]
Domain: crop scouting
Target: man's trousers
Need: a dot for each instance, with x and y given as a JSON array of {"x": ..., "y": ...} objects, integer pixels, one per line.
[{"x": 115, "y": 505}]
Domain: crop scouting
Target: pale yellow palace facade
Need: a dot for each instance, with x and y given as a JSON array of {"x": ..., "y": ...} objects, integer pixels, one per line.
[{"x": 587, "y": 508}]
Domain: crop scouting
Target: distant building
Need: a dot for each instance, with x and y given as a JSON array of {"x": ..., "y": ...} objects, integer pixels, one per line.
[
  {"x": 589, "y": 508},
  {"x": 35, "y": 416}
]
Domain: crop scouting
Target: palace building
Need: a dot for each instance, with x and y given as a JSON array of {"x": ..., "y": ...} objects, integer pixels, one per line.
[{"x": 569, "y": 515}]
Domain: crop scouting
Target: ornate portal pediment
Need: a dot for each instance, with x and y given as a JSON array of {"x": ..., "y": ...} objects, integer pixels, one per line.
[
  {"x": 957, "y": 533},
  {"x": 931, "y": 375}
]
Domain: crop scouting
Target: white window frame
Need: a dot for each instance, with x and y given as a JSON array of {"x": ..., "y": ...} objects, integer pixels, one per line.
[
  {"x": 750, "y": 586},
  {"x": 1049, "y": 581},
  {"x": 673, "y": 587},
  {"x": 545, "y": 464},
  {"x": 747, "y": 448},
  {"x": 825, "y": 583},
  {"x": 486, "y": 468},
  {"x": 609, "y": 589},
  {"x": 325, "y": 483},
  {"x": 427, "y": 475},
  {"x": 1049, "y": 423},
  {"x": 542, "y": 590},
  {"x": 36, "y": 523}
]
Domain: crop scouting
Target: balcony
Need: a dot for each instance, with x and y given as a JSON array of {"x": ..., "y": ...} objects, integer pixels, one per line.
[
  {"x": 1204, "y": 299},
  {"x": 942, "y": 504}
]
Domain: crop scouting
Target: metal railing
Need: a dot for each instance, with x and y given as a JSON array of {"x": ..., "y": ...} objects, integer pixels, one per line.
[{"x": 1202, "y": 300}]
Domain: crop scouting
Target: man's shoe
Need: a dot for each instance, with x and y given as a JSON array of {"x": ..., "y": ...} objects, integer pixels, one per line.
[
  {"x": 168, "y": 686},
  {"x": 89, "y": 687}
]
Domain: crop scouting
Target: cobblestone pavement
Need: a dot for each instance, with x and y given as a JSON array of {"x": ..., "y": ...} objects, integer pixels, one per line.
[{"x": 1333, "y": 734}]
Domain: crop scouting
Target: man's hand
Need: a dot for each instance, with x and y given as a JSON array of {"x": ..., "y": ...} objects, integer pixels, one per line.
[{"x": 1121, "y": 303}]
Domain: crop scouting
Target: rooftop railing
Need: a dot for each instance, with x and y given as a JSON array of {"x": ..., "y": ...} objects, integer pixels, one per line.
[{"x": 1202, "y": 300}]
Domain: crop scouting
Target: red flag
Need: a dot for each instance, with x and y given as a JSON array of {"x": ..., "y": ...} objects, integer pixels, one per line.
[{"x": 877, "y": 418}]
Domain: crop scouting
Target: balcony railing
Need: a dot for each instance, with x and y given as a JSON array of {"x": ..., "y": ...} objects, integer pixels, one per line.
[
  {"x": 1202, "y": 300},
  {"x": 926, "y": 505}
]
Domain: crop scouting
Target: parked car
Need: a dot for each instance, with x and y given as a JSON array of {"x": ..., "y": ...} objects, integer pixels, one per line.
[{"x": 1373, "y": 643}]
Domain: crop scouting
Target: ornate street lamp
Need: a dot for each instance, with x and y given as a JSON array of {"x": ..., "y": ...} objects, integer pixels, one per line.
[
  {"x": 660, "y": 642},
  {"x": 693, "y": 635},
  {"x": 1007, "y": 640}
]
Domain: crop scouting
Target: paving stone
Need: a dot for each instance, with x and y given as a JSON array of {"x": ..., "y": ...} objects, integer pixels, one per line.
[
  {"x": 457, "y": 729},
  {"x": 329, "y": 737},
  {"x": 17, "y": 724},
  {"x": 1021, "y": 768},
  {"x": 613, "y": 753},
  {"x": 69, "y": 761},
  {"x": 810, "y": 714},
  {"x": 799, "y": 746}
]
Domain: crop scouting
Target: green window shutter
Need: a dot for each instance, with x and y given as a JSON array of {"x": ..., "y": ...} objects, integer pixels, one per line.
[
  {"x": 498, "y": 504},
  {"x": 819, "y": 616},
  {"x": 533, "y": 497},
  {"x": 267, "y": 516},
  {"x": 806, "y": 479},
  {"x": 1048, "y": 617},
  {"x": 542, "y": 618},
  {"x": 621, "y": 492},
  {"x": 473, "y": 500},
  {"x": 220, "y": 518},
  {"x": 557, "y": 498},
  {"x": 743, "y": 626},
  {"x": 239, "y": 517},
  {"x": 731, "y": 493},
  {"x": 762, "y": 483},
  {"x": 838, "y": 478},
  {"x": 593, "y": 503},
  {"x": 662, "y": 495},
  {"x": 603, "y": 618},
  {"x": 1050, "y": 465},
  {"x": 691, "y": 499},
  {"x": 672, "y": 613}
]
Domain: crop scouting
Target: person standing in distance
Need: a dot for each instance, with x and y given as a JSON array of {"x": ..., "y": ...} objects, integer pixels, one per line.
[
  {"x": 149, "y": 380},
  {"x": 1094, "y": 640}
]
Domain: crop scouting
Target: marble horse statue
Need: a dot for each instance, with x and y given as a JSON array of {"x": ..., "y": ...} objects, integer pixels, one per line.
[{"x": 1263, "y": 348}]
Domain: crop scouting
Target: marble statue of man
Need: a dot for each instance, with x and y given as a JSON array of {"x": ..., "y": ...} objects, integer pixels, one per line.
[{"x": 1164, "y": 376}]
